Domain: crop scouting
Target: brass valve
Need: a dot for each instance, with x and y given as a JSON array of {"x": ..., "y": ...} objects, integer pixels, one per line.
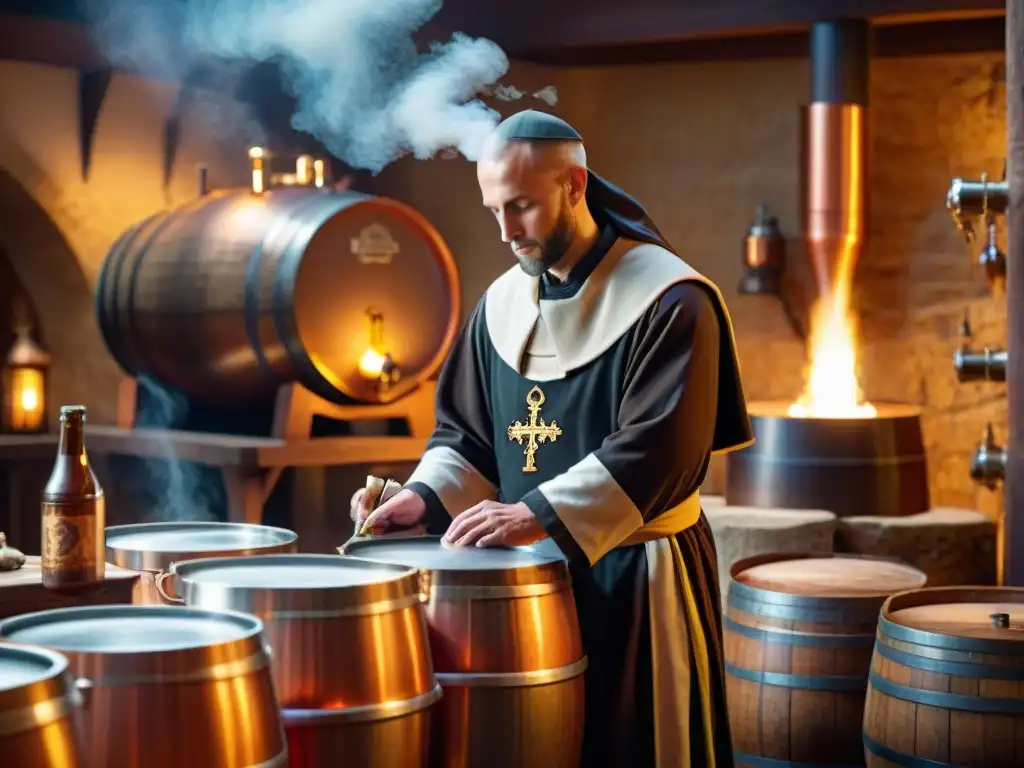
[
  {"x": 993, "y": 261},
  {"x": 986, "y": 364},
  {"x": 967, "y": 200},
  {"x": 988, "y": 467}
]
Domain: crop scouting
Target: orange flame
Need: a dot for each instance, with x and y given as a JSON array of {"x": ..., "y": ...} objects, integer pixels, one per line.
[{"x": 831, "y": 390}]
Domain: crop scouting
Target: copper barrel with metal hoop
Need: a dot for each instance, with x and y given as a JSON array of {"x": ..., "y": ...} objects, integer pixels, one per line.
[
  {"x": 232, "y": 295},
  {"x": 947, "y": 680},
  {"x": 150, "y": 548},
  {"x": 352, "y": 666},
  {"x": 37, "y": 700},
  {"x": 506, "y": 648},
  {"x": 799, "y": 631},
  {"x": 164, "y": 686}
]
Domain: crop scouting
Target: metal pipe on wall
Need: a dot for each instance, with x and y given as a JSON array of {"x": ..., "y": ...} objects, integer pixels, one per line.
[{"x": 1012, "y": 545}]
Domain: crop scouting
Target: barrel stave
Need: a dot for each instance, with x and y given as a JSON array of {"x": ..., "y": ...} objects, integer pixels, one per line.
[
  {"x": 954, "y": 696},
  {"x": 535, "y": 726},
  {"x": 37, "y": 709},
  {"x": 797, "y": 722},
  {"x": 231, "y": 296},
  {"x": 397, "y": 742},
  {"x": 219, "y": 723},
  {"x": 164, "y": 687},
  {"x": 473, "y": 635},
  {"x": 798, "y": 636},
  {"x": 306, "y": 674}
]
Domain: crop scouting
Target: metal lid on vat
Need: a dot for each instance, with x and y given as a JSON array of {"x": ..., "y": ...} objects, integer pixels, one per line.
[
  {"x": 430, "y": 553},
  {"x": 129, "y": 629},
  {"x": 478, "y": 565},
  {"x": 154, "y": 546},
  {"x": 266, "y": 585},
  {"x": 282, "y": 572},
  {"x": 21, "y": 666}
]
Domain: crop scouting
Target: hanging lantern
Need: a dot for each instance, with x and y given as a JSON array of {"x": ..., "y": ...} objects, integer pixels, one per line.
[{"x": 23, "y": 385}]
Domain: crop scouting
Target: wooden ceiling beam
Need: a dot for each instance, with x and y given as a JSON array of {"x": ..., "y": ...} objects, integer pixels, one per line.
[{"x": 523, "y": 27}]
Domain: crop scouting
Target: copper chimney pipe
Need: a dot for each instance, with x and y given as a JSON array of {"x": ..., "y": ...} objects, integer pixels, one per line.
[{"x": 834, "y": 149}]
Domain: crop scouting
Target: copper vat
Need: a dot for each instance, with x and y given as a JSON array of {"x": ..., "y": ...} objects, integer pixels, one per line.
[
  {"x": 235, "y": 294},
  {"x": 150, "y": 548},
  {"x": 164, "y": 686},
  {"x": 352, "y": 665},
  {"x": 506, "y": 647},
  {"x": 37, "y": 698}
]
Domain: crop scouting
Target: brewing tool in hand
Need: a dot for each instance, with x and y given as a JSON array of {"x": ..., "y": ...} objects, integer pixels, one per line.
[{"x": 378, "y": 491}]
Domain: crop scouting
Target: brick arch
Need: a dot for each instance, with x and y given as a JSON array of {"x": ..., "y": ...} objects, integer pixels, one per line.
[{"x": 51, "y": 274}]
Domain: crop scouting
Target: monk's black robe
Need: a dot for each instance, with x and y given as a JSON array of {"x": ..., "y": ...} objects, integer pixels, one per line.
[{"x": 631, "y": 363}]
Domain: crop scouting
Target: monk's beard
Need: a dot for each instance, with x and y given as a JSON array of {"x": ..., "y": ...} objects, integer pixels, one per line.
[{"x": 554, "y": 246}]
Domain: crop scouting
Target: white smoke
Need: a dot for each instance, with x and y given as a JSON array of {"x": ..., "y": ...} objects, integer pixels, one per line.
[{"x": 363, "y": 89}]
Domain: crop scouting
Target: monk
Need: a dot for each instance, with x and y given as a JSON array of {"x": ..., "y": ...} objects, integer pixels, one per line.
[{"x": 581, "y": 405}]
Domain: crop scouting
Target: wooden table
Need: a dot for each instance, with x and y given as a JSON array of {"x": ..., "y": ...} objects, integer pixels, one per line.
[
  {"x": 251, "y": 466},
  {"x": 22, "y": 591}
]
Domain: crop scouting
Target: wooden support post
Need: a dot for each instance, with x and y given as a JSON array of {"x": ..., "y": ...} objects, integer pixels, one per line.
[{"x": 1013, "y": 532}]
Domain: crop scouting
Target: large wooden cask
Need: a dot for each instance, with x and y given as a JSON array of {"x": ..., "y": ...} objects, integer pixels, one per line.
[
  {"x": 799, "y": 630},
  {"x": 232, "y": 295},
  {"x": 947, "y": 680}
]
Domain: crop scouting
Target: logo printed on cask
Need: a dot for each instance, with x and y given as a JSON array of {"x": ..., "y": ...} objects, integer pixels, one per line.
[{"x": 375, "y": 245}]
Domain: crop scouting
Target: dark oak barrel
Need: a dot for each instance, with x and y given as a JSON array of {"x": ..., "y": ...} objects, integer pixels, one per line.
[
  {"x": 947, "y": 680},
  {"x": 506, "y": 649},
  {"x": 798, "y": 634},
  {"x": 234, "y": 294},
  {"x": 856, "y": 466},
  {"x": 37, "y": 702}
]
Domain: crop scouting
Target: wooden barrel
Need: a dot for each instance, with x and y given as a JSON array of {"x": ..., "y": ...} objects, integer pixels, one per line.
[
  {"x": 312, "y": 605},
  {"x": 798, "y": 633},
  {"x": 164, "y": 686},
  {"x": 947, "y": 680},
  {"x": 232, "y": 295},
  {"x": 37, "y": 699},
  {"x": 150, "y": 548},
  {"x": 862, "y": 466},
  {"x": 506, "y": 648}
]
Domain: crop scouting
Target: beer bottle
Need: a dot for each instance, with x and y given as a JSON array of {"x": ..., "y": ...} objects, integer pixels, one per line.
[{"x": 74, "y": 515}]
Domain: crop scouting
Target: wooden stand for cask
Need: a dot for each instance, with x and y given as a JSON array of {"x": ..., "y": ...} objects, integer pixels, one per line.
[
  {"x": 947, "y": 680},
  {"x": 798, "y": 633},
  {"x": 37, "y": 701}
]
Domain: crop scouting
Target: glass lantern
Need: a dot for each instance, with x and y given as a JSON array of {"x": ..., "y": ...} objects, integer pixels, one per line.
[{"x": 23, "y": 385}]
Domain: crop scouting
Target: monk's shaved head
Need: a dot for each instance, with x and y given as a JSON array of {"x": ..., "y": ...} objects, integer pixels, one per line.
[
  {"x": 532, "y": 171},
  {"x": 541, "y": 155}
]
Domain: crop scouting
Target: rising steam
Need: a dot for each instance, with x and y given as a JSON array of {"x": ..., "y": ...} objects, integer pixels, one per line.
[{"x": 363, "y": 88}]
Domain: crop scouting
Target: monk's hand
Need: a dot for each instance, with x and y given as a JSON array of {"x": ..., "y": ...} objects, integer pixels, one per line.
[
  {"x": 492, "y": 524},
  {"x": 403, "y": 510}
]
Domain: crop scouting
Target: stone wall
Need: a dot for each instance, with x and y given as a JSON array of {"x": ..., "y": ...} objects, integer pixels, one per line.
[{"x": 701, "y": 144}]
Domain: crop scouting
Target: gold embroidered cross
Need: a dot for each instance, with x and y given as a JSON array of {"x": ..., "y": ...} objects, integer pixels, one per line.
[{"x": 536, "y": 431}]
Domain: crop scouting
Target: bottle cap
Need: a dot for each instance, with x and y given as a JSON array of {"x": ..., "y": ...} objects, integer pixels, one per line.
[{"x": 72, "y": 411}]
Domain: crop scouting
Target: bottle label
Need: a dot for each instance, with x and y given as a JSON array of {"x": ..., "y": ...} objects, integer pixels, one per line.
[{"x": 70, "y": 540}]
